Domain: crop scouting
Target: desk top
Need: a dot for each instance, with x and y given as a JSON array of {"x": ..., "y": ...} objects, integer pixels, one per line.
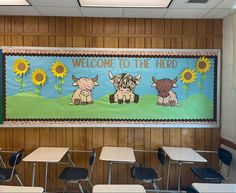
[
  {"x": 14, "y": 189},
  {"x": 46, "y": 154},
  {"x": 118, "y": 188},
  {"x": 183, "y": 154},
  {"x": 214, "y": 188},
  {"x": 118, "y": 154}
]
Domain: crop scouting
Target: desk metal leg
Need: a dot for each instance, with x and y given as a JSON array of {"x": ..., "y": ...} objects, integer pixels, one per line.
[
  {"x": 33, "y": 174},
  {"x": 110, "y": 172},
  {"x": 179, "y": 177},
  {"x": 70, "y": 160},
  {"x": 46, "y": 177},
  {"x": 2, "y": 162},
  {"x": 168, "y": 176}
]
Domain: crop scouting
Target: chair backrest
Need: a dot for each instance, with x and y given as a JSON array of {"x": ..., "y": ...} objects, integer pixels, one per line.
[
  {"x": 92, "y": 158},
  {"x": 225, "y": 156},
  {"x": 15, "y": 158},
  {"x": 161, "y": 156}
]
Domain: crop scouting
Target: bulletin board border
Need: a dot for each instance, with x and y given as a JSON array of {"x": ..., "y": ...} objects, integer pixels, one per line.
[{"x": 111, "y": 52}]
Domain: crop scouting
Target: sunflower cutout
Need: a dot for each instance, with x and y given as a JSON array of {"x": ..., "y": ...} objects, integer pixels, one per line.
[
  {"x": 59, "y": 71},
  {"x": 187, "y": 76},
  {"x": 20, "y": 68},
  {"x": 203, "y": 65},
  {"x": 38, "y": 78}
]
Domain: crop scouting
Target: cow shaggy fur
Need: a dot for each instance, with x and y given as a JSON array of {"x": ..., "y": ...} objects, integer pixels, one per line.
[{"x": 124, "y": 84}]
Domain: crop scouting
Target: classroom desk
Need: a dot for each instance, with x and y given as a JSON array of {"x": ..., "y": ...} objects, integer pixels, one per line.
[
  {"x": 181, "y": 155},
  {"x": 45, "y": 155},
  {"x": 20, "y": 189},
  {"x": 117, "y": 155},
  {"x": 118, "y": 188},
  {"x": 214, "y": 188}
]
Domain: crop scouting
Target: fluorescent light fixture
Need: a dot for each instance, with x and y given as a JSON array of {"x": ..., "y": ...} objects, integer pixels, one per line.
[
  {"x": 125, "y": 3},
  {"x": 14, "y": 2}
]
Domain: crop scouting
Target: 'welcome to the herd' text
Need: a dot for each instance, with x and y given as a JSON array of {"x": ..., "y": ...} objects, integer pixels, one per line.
[{"x": 124, "y": 63}]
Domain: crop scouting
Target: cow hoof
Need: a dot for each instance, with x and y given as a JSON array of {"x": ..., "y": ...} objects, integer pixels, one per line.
[
  {"x": 172, "y": 103},
  {"x": 127, "y": 101},
  {"x": 112, "y": 98},
  {"x": 120, "y": 101},
  {"x": 136, "y": 98},
  {"x": 76, "y": 101}
]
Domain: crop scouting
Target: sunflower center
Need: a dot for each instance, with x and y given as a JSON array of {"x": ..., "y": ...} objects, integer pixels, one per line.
[
  {"x": 188, "y": 76},
  {"x": 59, "y": 69},
  {"x": 39, "y": 77},
  {"x": 202, "y": 65},
  {"x": 21, "y": 67}
]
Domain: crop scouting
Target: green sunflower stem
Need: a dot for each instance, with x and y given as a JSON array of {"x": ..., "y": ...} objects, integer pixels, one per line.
[
  {"x": 60, "y": 87},
  {"x": 21, "y": 84},
  {"x": 39, "y": 89},
  {"x": 201, "y": 80},
  {"x": 187, "y": 93}
]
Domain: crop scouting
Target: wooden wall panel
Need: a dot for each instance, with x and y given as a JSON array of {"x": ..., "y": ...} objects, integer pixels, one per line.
[{"x": 110, "y": 33}]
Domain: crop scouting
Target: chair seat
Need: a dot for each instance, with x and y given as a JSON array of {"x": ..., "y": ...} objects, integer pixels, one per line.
[
  {"x": 70, "y": 173},
  {"x": 143, "y": 173},
  {"x": 208, "y": 174},
  {"x": 5, "y": 173}
]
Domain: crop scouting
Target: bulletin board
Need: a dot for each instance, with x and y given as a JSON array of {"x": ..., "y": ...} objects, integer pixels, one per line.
[{"x": 109, "y": 87}]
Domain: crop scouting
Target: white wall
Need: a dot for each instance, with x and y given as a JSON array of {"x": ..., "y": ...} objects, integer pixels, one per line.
[{"x": 228, "y": 104}]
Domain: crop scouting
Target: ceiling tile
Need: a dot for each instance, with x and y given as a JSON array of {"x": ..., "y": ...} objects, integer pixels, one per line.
[
  {"x": 218, "y": 13},
  {"x": 58, "y": 11},
  {"x": 186, "y": 13},
  {"x": 18, "y": 10},
  {"x": 54, "y": 3},
  {"x": 101, "y": 12},
  {"x": 144, "y": 13},
  {"x": 227, "y": 4},
  {"x": 183, "y": 4}
]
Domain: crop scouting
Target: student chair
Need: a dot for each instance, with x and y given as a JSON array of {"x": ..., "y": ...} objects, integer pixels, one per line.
[
  {"x": 150, "y": 175},
  {"x": 76, "y": 174},
  {"x": 211, "y": 175},
  {"x": 7, "y": 173}
]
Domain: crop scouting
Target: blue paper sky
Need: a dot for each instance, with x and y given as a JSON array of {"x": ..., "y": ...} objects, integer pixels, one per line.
[{"x": 105, "y": 87}]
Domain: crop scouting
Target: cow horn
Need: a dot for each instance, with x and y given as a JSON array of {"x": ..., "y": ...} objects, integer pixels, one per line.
[
  {"x": 95, "y": 78},
  {"x": 138, "y": 76},
  {"x": 111, "y": 75},
  {"x": 74, "y": 78},
  {"x": 154, "y": 79},
  {"x": 175, "y": 80}
]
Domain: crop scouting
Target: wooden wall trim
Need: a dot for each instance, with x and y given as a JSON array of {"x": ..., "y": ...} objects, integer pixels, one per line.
[
  {"x": 228, "y": 143},
  {"x": 113, "y": 35}
]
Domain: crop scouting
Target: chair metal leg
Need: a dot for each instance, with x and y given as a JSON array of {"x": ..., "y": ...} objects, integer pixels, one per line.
[
  {"x": 80, "y": 187},
  {"x": 18, "y": 179},
  {"x": 155, "y": 185},
  {"x": 65, "y": 189},
  {"x": 90, "y": 183}
]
